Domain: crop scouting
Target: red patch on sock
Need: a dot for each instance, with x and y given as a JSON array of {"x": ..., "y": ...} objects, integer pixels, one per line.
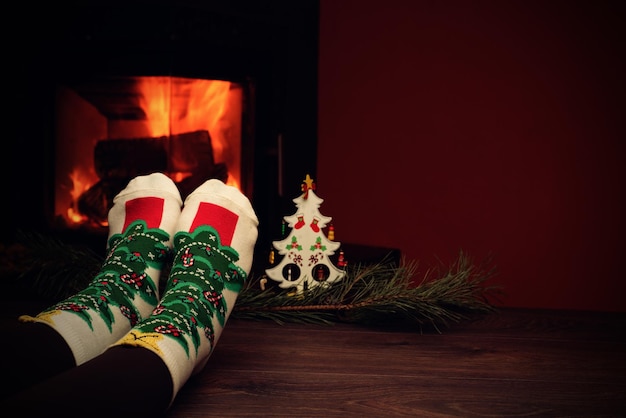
[
  {"x": 220, "y": 218},
  {"x": 150, "y": 209}
]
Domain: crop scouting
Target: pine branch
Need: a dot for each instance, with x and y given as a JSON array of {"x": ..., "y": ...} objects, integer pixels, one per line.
[
  {"x": 378, "y": 294},
  {"x": 46, "y": 267}
]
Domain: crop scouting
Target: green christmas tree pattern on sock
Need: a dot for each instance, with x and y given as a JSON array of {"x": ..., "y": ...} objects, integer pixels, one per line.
[
  {"x": 124, "y": 282},
  {"x": 194, "y": 299}
]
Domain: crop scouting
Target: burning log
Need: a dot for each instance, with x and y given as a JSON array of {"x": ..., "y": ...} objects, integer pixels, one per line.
[
  {"x": 187, "y": 158},
  {"x": 128, "y": 158},
  {"x": 96, "y": 201}
]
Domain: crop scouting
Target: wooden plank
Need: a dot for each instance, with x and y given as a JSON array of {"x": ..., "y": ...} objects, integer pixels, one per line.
[
  {"x": 517, "y": 363},
  {"x": 311, "y": 394}
]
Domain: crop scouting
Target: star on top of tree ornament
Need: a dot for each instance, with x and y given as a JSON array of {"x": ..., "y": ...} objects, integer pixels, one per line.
[{"x": 307, "y": 184}]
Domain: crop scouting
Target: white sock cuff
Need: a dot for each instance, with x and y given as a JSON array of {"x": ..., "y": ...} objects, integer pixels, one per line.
[
  {"x": 229, "y": 197},
  {"x": 151, "y": 185}
]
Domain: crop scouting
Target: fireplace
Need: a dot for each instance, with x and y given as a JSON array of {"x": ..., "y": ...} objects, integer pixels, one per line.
[{"x": 81, "y": 89}]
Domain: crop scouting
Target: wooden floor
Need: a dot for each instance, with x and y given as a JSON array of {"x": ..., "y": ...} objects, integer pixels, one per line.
[{"x": 514, "y": 363}]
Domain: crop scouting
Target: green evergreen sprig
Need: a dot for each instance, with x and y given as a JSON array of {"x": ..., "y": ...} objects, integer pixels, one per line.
[
  {"x": 39, "y": 266},
  {"x": 382, "y": 293}
]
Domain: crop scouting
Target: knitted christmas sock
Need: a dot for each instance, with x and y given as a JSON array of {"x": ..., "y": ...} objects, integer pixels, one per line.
[
  {"x": 213, "y": 256},
  {"x": 141, "y": 221}
]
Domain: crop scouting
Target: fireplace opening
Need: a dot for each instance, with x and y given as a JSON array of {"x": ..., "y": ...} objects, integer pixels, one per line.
[
  {"x": 79, "y": 81},
  {"x": 111, "y": 129}
]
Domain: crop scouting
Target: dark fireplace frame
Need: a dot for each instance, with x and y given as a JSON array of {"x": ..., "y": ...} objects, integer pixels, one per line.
[{"x": 271, "y": 46}]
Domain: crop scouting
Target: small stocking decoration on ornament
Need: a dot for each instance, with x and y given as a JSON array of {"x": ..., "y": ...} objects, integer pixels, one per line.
[
  {"x": 305, "y": 252},
  {"x": 300, "y": 222},
  {"x": 315, "y": 225}
]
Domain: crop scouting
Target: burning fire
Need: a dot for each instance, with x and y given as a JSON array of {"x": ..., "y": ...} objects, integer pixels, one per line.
[
  {"x": 172, "y": 106},
  {"x": 178, "y": 105},
  {"x": 79, "y": 185}
]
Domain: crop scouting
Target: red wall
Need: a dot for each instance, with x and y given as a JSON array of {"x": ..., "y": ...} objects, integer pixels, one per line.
[{"x": 492, "y": 127}]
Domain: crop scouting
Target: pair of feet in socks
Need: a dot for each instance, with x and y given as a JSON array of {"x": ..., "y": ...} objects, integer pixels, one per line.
[{"x": 212, "y": 238}]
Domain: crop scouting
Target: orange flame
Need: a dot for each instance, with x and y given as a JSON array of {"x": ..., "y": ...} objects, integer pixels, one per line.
[
  {"x": 175, "y": 105},
  {"x": 79, "y": 185},
  {"x": 172, "y": 105}
]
